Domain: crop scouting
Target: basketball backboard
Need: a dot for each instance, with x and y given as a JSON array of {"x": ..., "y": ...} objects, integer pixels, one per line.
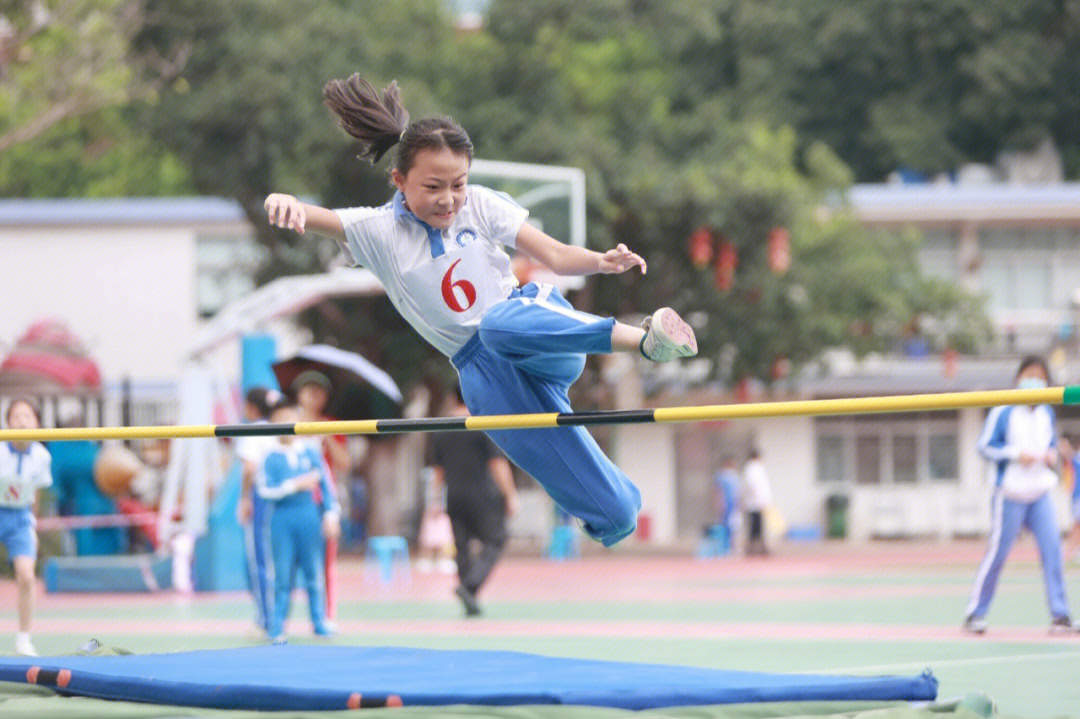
[{"x": 555, "y": 199}]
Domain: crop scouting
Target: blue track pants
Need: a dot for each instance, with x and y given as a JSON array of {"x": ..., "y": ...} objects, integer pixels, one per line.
[
  {"x": 526, "y": 354},
  {"x": 1008, "y": 518}
]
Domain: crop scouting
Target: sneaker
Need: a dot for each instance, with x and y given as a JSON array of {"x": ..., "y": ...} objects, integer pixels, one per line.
[
  {"x": 327, "y": 629},
  {"x": 1064, "y": 625},
  {"x": 975, "y": 625},
  {"x": 24, "y": 647},
  {"x": 472, "y": 607},
  {"x": 667, "y": 337},
  {"x": 279, "y": 640}
]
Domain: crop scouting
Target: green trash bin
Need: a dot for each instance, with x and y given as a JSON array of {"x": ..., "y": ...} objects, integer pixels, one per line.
[{"x": 836, "y": 510}]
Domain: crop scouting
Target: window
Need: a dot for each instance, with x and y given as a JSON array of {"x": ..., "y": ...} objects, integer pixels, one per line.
[
  {"x": 868, "y": 460},
  {"x": 998, "y": 284},
  {"x": 905, "y": 458},
  {"x": 904, "y": 449},
  {"x": 937, "y": 252},
  {"x": 830, "y": 458},
  {"x": 225, "y": 269},
  {"x": 943, "y": 457},
  {"x": 1029, "y": 268},
  {"x": 1033, "y": 285}
]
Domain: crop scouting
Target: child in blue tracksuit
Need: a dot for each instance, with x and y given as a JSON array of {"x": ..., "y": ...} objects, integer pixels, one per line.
[
  {"x": 1022, "y": 442},
  {"x": 253, "y": 512},
  {"x": 298, "y": 525}
]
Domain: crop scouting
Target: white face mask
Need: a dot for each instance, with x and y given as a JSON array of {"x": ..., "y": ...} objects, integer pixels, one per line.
[{"x": 1031, "y": 383}]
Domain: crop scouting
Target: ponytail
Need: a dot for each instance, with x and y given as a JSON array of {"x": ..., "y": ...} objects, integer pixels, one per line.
[{"x": 377, "y": 124}]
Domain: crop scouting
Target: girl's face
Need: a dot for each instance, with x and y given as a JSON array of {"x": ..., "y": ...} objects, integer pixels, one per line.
[
  {"x": 285, "y": 415},
  {"x": 434, "y": 187},
  {"x": 312, "y": 398},
  {"x": 1032, "y": 372},
  {"x": 21, "y": 416}
]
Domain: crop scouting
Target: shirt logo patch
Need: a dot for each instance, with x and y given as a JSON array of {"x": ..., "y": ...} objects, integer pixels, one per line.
[{"x": 465, "y": 237}]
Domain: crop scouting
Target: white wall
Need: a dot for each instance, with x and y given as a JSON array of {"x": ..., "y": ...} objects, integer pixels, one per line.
[
  {"x": 646, "y": 453},
  {"x": 787, "y": 449},
  {"x": 128, "y": 292}
]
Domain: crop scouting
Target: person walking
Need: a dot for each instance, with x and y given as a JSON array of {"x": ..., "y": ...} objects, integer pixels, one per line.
[
  {"x": 480, "y": 495},
  {"x": 757, "y": 499}
]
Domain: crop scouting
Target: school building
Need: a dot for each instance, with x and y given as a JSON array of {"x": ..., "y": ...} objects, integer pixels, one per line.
[
  {"x": 918, "y": 474},
  {"x": 143, "y": 281}
]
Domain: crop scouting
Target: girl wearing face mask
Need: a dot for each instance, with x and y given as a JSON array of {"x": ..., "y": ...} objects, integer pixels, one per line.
[{"x": 1021, "y": 441}]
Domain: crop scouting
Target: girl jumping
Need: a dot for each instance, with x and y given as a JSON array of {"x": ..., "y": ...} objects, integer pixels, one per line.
[{"x": 438, "y": 248}]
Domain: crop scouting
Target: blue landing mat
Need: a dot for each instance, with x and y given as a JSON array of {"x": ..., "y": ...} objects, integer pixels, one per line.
[{"x": 334, "y": 677}]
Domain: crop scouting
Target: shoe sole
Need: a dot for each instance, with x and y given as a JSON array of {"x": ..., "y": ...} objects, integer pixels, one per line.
[{"x": 678, "y": 332}]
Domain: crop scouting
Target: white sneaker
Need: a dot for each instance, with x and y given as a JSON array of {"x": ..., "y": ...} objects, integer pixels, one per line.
[
  {"x": 24, "y": 647},
  {"x": 1064, "y": 625},
  {"x": 667, "y": 336},
  {"x": 975, "y": 625}
]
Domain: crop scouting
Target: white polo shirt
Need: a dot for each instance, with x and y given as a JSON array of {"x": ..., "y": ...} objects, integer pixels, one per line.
[
  {"x": 23, "y": 473},
  {"x": 441, "y": 281}
]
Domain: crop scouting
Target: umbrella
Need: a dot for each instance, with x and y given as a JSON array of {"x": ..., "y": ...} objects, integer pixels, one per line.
[{"x": 359, "y": 389}]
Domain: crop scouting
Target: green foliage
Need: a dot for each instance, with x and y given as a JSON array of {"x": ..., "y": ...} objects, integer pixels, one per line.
[
  {"x": 99, "y": 155},
  {"x": 620, "y": 90},
  {"x": 739, "y": 116},
  {"x": 919, "y": 83}
]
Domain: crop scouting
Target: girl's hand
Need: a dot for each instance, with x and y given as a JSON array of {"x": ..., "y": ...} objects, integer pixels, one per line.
[
  {"x": 244, "y": 510},
  {"x": 621, "y": 259},
  {"x": 285, "y": 211},
  {"x": 331, "y": 526},
  {"x": 513, "y": 504},
  {"x": 308, "y": 482}
]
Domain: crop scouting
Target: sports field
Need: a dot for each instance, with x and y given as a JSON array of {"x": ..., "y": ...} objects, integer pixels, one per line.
[{"x": 883, "y": 608}]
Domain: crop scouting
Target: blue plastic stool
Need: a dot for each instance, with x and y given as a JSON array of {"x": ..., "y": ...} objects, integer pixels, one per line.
[
  {"x": 717, "y": 542},
  {"x": 389, "y": 552},
  {"x": 564, "y": 543}
]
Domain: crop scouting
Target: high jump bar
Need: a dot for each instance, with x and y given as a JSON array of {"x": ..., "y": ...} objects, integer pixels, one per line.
[{"x": 704, "y": 413}]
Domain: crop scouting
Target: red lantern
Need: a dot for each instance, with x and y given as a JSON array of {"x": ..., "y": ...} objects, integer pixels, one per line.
[
  {"x": 701, "y": 247},
  {"x": 779, "y": 250},
  {"x": 727, "y": 259}
]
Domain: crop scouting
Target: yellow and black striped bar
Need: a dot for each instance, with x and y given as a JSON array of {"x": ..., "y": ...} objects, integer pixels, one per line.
[{"x": 706, "y": 413}]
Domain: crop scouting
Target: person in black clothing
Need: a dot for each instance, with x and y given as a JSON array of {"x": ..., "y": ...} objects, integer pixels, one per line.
[{"x": 480, "y": 495}]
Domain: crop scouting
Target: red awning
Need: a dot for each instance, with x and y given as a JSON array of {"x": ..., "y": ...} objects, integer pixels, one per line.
[{"x": 49, "y": 357}]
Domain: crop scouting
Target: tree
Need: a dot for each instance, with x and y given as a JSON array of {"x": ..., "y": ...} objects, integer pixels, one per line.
[
  {"x": 62, "y": 60},
  {"x": 618, "y": 89},
  {"x": 70, "y": 82},
  {"x": 924, "y": 84},
  {"x": 665, "y": 106},
  {"x": 246, "y": 117}
]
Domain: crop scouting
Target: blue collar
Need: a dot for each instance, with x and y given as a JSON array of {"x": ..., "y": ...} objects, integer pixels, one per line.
[{"x": 401, "y": 212}]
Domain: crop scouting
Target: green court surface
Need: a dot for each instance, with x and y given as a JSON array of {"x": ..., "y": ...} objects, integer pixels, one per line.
[{"x": 884, "y": 608}]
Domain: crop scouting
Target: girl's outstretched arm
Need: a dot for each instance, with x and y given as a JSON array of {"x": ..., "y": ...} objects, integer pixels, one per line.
[
  {"x": 286, "y": 211},
  {"x": 566, "y": 259}
]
